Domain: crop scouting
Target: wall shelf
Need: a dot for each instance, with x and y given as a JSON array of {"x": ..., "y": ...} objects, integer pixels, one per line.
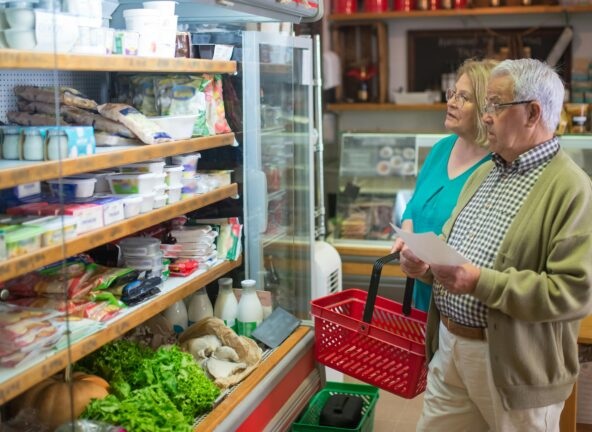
[
  {"x": 17, "y": 59},
  {"x": 13, "y": 173},
  {"x": 17, "y": 380},
  {"x": 26, "y": 263},
  {"x": 507, "y": 10},
  {"x": 340, "y": 107}
]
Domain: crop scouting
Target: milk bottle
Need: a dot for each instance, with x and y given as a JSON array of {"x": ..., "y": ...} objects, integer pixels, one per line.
[
  {"x": 177, "y": 316},
  {"x": 226, "y": 305},
  {"x": 199, "y": 307},
  {"x": 250, "y": 312}
]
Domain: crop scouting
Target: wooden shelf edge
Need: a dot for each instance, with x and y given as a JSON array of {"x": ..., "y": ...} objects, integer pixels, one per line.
[
  {"x": 218, "y": 414},
  {"x": 28, "y": 378},
  {"x": 24, "y": 264},
  {"x": 341, "y": 107},
  {"x": 14, "y": 176},
  {"x": 17, "y": 59},
  {"x": 505, "y": 10}
]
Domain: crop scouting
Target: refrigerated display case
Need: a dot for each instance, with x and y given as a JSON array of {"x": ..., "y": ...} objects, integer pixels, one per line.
[{"x": 278, "y": 167}]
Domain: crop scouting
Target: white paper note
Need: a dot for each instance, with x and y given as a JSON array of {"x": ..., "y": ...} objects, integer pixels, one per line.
[{"x": 430, "y": 248}]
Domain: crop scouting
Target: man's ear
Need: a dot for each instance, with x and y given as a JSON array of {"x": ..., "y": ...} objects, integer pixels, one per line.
[{"x": 534, "y": 112}]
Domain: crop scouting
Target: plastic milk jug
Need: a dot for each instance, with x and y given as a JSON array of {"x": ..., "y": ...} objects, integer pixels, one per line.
[
  {"x": 177, "y": 316},
  {"x": 199, "y": 307},
  {"x": 250, "y": 312},
  {"x": 226, "y": 305}
]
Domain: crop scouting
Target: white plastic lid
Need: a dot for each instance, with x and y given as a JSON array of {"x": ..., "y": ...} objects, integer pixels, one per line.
[
  {"x": 248, "y": 283},
  {"x": 173, "y": 168},
  {"x": 131, "y": 199},
  {"x": 141, "y": 12},
  {"x": 134, "y": 242}
]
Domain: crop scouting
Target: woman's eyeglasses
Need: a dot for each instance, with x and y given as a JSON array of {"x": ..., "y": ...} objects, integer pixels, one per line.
[{"x": 458, "y": 98}]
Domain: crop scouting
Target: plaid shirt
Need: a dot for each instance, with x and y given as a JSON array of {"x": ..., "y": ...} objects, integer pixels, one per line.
[{"x": 482, "y": 225}]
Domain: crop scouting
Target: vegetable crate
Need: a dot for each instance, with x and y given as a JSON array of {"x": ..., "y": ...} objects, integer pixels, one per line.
[
  {"x": 371, "y": 338},
  {"x": 309, "y": 422}
]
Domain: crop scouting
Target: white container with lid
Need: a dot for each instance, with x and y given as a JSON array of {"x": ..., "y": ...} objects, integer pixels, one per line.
[
  {"x": 199, "y": 307},
  {"x": 174, "y": 173},
  {"x": 250, "y": 313},
  {"x": 174, "y": 193},
  {"x": 147, "y": 202},
  {"x": 132, "y": 205},
  {"x": 160, "y": 200},
  {"x": 20, "y": 15},
  {"x": 164, "y": 7},
  {"x": 189, "y": 162},
  {"x": 179, "y": 127},
  {"x": 73, "y": 187},
  {"x": 155, "y": 167},
  {"x": 143, "y": 262},
  {"x": 132, "y": 183},
  {"x": 102, "y": 185},
  {"x": 143, "y": 21},
  {"x": 226, "y": 306}
]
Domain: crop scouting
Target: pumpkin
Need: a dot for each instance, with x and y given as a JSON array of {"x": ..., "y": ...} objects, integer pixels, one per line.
[{"x": 51, "y": 397}]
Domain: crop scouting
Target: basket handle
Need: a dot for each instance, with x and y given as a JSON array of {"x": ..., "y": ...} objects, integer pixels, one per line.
[{"x": 373, "y": 289}]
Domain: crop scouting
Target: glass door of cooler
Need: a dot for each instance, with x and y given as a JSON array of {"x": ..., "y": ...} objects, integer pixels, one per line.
[{"x": 278, "y": 159}]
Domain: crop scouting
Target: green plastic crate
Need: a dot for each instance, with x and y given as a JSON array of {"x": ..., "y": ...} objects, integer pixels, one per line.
[{"x": 309, "y": 421}]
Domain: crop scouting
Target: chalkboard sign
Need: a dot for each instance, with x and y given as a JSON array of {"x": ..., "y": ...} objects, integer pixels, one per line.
[
  {"x": 432, "y": 53},
  {"x": 276, "y": 328}
]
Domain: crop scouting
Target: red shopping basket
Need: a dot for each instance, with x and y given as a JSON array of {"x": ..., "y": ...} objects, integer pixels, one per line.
[{"x": 371, "y": 338}]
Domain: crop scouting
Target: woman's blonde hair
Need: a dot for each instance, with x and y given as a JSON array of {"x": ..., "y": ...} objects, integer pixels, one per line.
[{"x": 478, "y": 72}]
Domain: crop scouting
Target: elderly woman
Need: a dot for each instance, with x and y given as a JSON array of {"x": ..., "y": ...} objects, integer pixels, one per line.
[{"x": 450, "y": 162}]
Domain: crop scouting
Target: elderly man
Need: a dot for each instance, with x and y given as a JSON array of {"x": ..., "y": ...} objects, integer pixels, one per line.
[{"x": 502, "y": 331}]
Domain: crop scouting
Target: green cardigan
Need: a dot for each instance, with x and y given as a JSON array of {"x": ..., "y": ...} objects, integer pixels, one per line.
[{"x": 539, "y": 288}]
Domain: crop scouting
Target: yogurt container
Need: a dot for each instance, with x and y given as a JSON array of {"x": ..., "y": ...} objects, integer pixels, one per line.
[
  {"x": 132, "y": 205},
  {"x": 174, "y": 193},
  {"x": 73, "y": 187},
  {"x": 174, "y": 173},
  {"x": 23, "y": 240},
  {"x": 132, "y": 183},
  {"x": 188, "y": 161},
  {"x": 147, "y": 202},
  {"x": 160, "y": 200},
  {"x": 52, "y": 229}
]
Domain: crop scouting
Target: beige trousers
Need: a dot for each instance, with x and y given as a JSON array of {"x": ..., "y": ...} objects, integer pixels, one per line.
[{"x": 461, "y": 396}]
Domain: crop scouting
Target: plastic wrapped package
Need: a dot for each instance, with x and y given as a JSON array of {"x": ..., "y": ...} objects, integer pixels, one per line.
[
  {"x": 66, "y": 95},
  {"x": 146, "y": 130},
  {"x": 143, "y": 94}
]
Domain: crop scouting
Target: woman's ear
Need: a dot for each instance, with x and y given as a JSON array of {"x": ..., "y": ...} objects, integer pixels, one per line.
[{"x": 534, "y": 112}]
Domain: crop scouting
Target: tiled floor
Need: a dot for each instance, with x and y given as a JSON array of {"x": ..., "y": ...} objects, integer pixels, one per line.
[{"x": 393, "y": 413}]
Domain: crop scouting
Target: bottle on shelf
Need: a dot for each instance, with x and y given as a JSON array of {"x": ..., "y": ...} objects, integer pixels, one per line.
[
  {"x": 177, "y": 316},
  {"x": 200, "y": 307},
  {"x": 226, "y": 306},
  {"x": 250, "y": 312}
]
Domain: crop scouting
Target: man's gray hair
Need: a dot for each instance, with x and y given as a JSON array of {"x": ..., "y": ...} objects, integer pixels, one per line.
[{"x": 535, "y": 80}]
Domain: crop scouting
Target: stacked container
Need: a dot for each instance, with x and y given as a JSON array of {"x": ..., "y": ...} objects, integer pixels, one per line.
[
  {"x": 142, "y": 254},
  {"x": 157, "y": 25}
]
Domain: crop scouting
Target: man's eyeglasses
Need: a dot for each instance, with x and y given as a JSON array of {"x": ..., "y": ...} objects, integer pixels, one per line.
[
  {"x": 458, "y": 98},
  {"x": 492, "y": 108}
]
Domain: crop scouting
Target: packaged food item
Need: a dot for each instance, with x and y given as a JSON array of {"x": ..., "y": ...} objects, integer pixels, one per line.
[
  {"x": 173, "y": 174},
  {"x": 174, "y": 193},
  {"x": 183, "y": 267},
  {"x": 89, "y": 216},
  {"x": 56, "y": 230},
  {"x": 160, "y": 200},
  {"x": 216, "y": 116},
  {"x": 132, "y": 205},
  {"x": 132, "y": 183},
  {"x": 189, "y": 162},
  {"x": 113, "y": 209},
  {"x": 80, "y": 117},
  {"x": 143, "y": 94},
  {"x": 73, "y": 187},
  {"x": 22, "y": 241},
  {"x": 26, "y": 119},
  {"x": 140, "y": 246},
  {"x": 66, "y": 95},
  {"x": 156, "y": 167},
  {"x": 184, "y": 95},
  {"x": 146, "y": 130}
]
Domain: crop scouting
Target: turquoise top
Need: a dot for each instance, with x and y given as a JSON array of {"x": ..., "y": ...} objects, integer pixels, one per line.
[{"x": 433, "y": 201}]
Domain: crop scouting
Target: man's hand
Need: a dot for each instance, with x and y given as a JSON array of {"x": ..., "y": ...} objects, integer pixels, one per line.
[
  {"x": 398, "y": 245},
  {"x": 411, "y": 265},
  {"x": 457, "y": 279}
]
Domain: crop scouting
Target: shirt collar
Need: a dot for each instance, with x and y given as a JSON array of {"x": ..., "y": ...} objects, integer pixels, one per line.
[{"x": 529, "y": 160}]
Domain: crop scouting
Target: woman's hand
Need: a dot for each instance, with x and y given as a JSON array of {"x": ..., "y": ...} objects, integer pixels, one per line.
[{"x": 398, "y": 245}]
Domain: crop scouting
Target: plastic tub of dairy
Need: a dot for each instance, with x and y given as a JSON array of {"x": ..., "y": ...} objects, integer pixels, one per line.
[
  {"x": 174, "y": 193},
  {"x": 20, "y": 39},
  {"x": 174, "y": 173},
  {"x": 132, "y": 183},
  {"x": 102, "y": 185},
  {"x": 73, "y": 187},
  {"x": 52, "y": 229},
  {"x": 155, "y": 167},
  {"x": 160, "y": 182},
  {"x": 147, "y": 202},
  {"x": 189, "y": 161},
  {"x": 179, "y": 127},
  {"x": 160, "y": 200},
  {"x": 20, "y": 16},
  {"x": 22, "y": 241},
  {"x": 189, "y": 187},
  {"x": 142, "y": 20},
  {"x": 140, "y": 247},
  {"x": 132, "y": 205},
  {"x": 164, "y": 7}
]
